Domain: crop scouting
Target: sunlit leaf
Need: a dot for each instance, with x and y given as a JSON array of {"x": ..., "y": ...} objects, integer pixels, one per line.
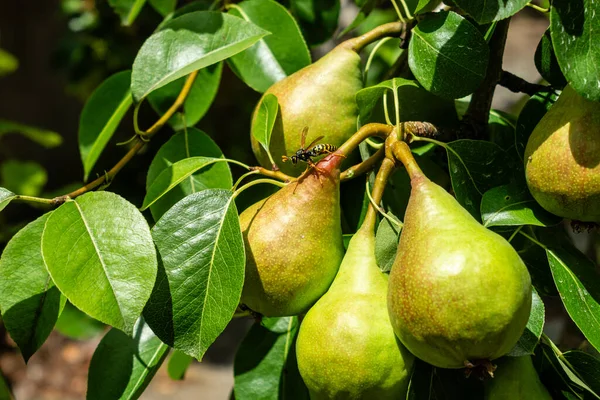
[{"x": 99, "y": 252}]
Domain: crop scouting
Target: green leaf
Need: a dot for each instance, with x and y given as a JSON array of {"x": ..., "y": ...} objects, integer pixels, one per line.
[
  {"x": 562, "y": 367},
  {"x": 198, "y": 289},
  {"x": 77, "y": 325},
  {"x": 260, "y": 362},
  {"x": 512, "y": 205},
  {"x": 6, "y": 196},
  {"x": 386, "y": 244},
  {"x": 29, "y": 301},
  {"x": 128, "y": 10},
  {"x": 123, "y": 366},
  {"x": 536, "y": 261},
  {"x": 587, "y": 366},
  {"x": 421, "y": 6},
  {"x": 414, "y": 102},
  {"x": 264, "y": 120},
  {"x": 178, "y": 365},
  {"x": 575, "y": 36},
  {"x": 491, "y": 10},
  {"x": 366, "y": 7},
  {"x": 578, "y": 283},
  {"x": 275, "y": 56},
  {"x": 174, "y": 174},
  {"x": 189, "y": 43},
  {"x": 198, "y": 101},
  {"x": 164, "y": 7},
  {"x": 99, "y": 252},
  {"x": 8, "y": 63},
  {"x": 189, "y": 143},
  {"x": 101, "y": 116},
  {"x": 318, "y": 19},
  {"x": 475, "y": 167},
  {"x": 448, "y": 55},
  {"x": 546, "y": 62},
  {"x": 531, "y": 114},
  {"x": 23, "y": 177},
  {"x": 533, "y": 331},
  {"x": 46, "y": 138}
]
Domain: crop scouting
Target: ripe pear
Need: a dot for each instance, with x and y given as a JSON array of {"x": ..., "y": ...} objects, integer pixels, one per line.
[
  {"x": 562, "y": 158},
  {"x": 346, "y": 347},
  {"x": 293, "y": 243},
  {"x": 515, "y": 378},
  {"x": 458, "y": 292},
  {"x": 321, "y": 96}
]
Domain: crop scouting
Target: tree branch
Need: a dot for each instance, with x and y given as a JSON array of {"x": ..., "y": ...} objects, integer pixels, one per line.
[
  {"x": 517, "y": 84},
  {"x": 475, "y": 121},
  {"x": 140, "y": 141}
]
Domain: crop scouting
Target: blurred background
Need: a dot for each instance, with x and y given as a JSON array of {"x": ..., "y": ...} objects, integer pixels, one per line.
[{"x": 53, "y": 54}]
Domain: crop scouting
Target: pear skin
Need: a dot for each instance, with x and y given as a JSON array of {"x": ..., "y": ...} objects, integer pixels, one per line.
[
  {"x": 562, "y": 158},
  {"x": 515, "y": 378},
  {"x": 458, "y": 292},
  {"x": 293, "y": 243},
  {"x": 346, "y": 347},
  {"x": 320, "y": 96}
]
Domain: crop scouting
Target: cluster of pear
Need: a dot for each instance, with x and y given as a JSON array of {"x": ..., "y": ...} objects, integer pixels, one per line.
[{"x": 458, "y": 294}]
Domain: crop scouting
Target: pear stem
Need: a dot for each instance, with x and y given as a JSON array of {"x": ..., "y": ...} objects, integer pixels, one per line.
[
  {"x": 389, "y": 29},
  {"x": 402, "y": 152},
  {"x": 386, "y": 169},
  {"x": 237, "y": 192},
  {"x": 363, "y": 133},
  {"x": 273, "y": 174},
  {"x": 361, "y": 168}
]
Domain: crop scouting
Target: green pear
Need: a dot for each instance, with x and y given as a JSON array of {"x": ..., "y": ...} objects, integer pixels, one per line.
[
  {"x": 321, "y": 97},
  {"x": 515, "y": 378},
  {"x": 293, "y": 243},
  {"x": 458, "y": 292},
  {"x": 562, "y": 158},
  {"x": 346, "y": 347}
]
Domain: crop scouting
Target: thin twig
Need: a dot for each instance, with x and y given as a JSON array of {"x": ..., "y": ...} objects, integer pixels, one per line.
[
  {"x": 517, "y": 84},
  {"x": 475, "y": 120},
  {"x": 139, "y": 144}
]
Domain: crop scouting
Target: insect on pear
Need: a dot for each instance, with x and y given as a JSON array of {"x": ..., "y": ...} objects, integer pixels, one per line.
[{"x": 305, "y": 153}]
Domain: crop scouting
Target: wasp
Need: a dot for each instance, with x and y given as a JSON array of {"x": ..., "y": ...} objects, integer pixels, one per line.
[{"x": 305, "y": 153}]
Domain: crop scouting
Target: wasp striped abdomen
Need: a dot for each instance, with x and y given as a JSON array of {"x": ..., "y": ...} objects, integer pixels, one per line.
[{"x": 323, "y": 148}]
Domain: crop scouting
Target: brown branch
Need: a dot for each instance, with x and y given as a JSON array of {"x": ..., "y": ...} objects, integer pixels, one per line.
[
  {"x": 475, "y": 121},
  {"x": 140, "y": 141},
  {"x": 517, "y": 84}
]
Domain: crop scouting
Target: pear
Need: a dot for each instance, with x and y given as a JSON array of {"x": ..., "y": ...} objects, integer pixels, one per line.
[
  {"x": 515, "y": 378},
  {"x": 346, "y": 347},
  {"x": 293, "y": 243},
  {"x": 562, "y": 158},
  {"x": 321, "y": 96},
  {"x": 458, "y": 293}
]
